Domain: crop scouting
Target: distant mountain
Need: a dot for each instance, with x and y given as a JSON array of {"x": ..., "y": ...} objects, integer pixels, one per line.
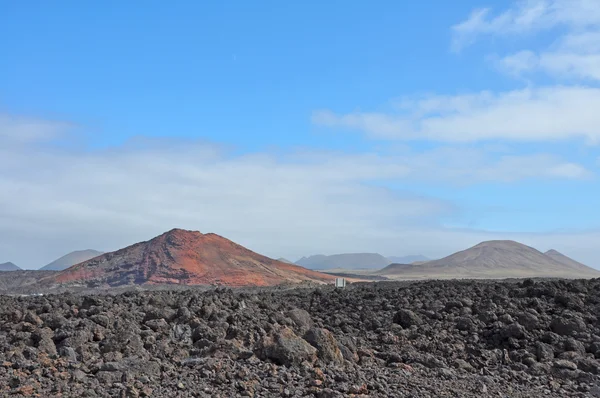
[
  {"x": 187, "y": 258},
  {"x": 408, "y": 259},
  {"x": 493, "y": 259},
  {"x": 344, "y": 261},
  {"x": 9, "y": 267},
  {"x": 567, "y": 261},
  {"x": 71, "y": 259}
]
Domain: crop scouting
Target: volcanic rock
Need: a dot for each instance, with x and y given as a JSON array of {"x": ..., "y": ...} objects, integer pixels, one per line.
[
  {"x": 285, "y": 348},
  {"x": 248, "y": 342},
  {"x": 301, "y": 319},
  {"x": 407, "y": 318},
  {"x": 326, "y": 345},
  {"x": 567, "y": 326}
]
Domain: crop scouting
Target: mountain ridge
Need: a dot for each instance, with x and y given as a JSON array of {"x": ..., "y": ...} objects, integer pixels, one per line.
[
  {"x": 344, "y": 260},
  {"x": 494, "y": 259},
  {"x": 413, "y": 258},
  {"x": 70, "y": 259},
  {"x": 8, "y": 266},
  {"x": 569, "y": 262}
]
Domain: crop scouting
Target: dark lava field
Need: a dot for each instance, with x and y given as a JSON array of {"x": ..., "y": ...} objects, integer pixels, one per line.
[{"x": 389, "y": 339}]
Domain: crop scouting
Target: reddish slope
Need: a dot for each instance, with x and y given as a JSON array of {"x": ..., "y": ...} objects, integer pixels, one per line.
[{"x": 187, "y": 257}]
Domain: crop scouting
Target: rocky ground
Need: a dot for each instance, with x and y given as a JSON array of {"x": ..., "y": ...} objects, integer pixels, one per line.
[{"x": 423, "y": 339}]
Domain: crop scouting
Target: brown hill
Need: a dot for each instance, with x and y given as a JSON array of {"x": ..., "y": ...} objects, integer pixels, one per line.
[
  {"x": 492, "y": 259},
  {"x": 186, "y": 257}
]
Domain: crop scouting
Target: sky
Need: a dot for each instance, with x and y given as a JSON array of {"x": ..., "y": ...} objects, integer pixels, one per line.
[{"x": 300, "y": 128}]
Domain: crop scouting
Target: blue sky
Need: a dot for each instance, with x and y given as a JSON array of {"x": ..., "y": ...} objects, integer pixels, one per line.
[
  {"x": 244, "y": 74},
  {"x": 300, "y": 128}
]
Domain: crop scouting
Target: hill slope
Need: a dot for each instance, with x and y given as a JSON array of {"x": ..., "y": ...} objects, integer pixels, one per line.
[
  {"x": 9, "y": 267},
  {"x": 22, "y": 281},
  {"x": 285, "y": 260},
  {"x": 567, "y": 261},
  {"x": 344, "y": 261},
  {"x": 492, "y": 259},
  {"x": 186, "y": 257},
  {"x": 407, "y": 259},
  {"x": 71, "y": 259}
]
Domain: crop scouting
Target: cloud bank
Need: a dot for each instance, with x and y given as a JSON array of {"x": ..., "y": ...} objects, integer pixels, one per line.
[{"x": 293, "y": 203}]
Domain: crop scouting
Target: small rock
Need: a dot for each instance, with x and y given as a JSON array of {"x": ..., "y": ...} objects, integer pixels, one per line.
[
  {"x": 564, "y": 364},
  {"x": 462, "y": 364},
  {"x": 513, "y": 330},
  {"x": 567, "y": 326},
  {"x": 68, "y": 353},
  {"x": 544, "y": 352},
  {"x": 407, "y": 318}
]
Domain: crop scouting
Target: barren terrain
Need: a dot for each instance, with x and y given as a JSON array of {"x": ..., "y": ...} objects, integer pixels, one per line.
[{"x": 387, "y": 339}]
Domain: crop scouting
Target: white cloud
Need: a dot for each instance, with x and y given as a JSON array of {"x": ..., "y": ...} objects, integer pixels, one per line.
[
  {"x": 574, "y": 55},
  {"x": 586, "y": 42},
  {"x": 58, "y": 200},
  {"x": 571, "y": 65},
  {"x": 27, "y": 130},
  {"x": 526, "y": 16},
  {"x": 519, "y": 63},
  {"x": 536, "y": 114},
  {"x": 465, "y": 166}
]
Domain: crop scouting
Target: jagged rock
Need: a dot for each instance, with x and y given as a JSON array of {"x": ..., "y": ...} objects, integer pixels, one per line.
[
  {"x": 301, "y": 319},
  {"x": 564, "y": 364},
  {"x": 465, "y": 323},
  {"x": 181, "y": 333},
  {"x": 513, "y": 330},
  {"x": 68, "y": 353},
  {"x": 285, "y": 348},
  {"x": 474, "y": 339},
  {"x": 567, "y": 326},
  {"x": 544, "y": 352},
  {"x": 407, "y": 318},
  {"x": 589, "y": 365},
  {"x": 326, "y": 345},
  {"x": 529, "y": 321}
]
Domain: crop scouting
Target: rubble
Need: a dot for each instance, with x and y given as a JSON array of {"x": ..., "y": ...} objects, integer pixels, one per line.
[{"x": 391, "y": 339}]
